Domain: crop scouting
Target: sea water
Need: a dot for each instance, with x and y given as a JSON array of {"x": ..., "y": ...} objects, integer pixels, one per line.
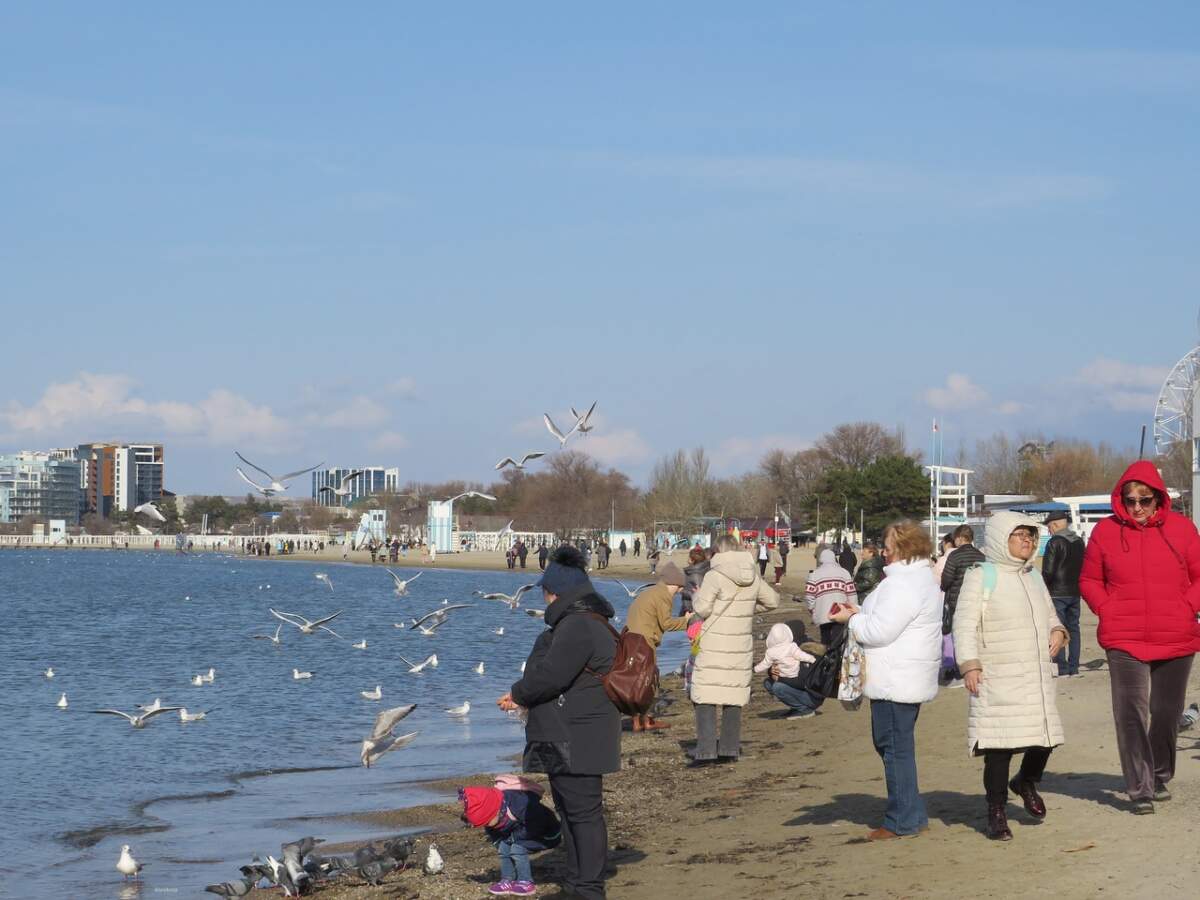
[{"x": 276, "y": 758}]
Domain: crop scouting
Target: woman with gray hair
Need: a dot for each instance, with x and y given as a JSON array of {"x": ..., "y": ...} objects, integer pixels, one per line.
[{"x": 731, "y": 594}]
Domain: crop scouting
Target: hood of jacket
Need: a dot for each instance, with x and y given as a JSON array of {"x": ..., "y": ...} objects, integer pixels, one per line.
[
  {"x": 995, "y": 546},
  {"x": 736, "y": 565},
  {"x": 827, "y": 558},
  {"x": 1145, "y": 472},
  {"x": 583, "y": 599},
  {"x": 779, "y": 634}
]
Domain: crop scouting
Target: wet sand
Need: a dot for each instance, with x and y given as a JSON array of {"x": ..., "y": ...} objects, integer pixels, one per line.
[{"x": 790, "y": 816}]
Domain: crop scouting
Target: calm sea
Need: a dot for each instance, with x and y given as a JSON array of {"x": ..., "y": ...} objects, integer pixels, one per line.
[{"x": 275, "y": 756}]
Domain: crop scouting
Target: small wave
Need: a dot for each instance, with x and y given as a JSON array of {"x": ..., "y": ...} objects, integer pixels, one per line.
[
  {"x": 139, "y": 809},
  {"x": 248, "y": 774},
  {"x": 83, "y": 838}
]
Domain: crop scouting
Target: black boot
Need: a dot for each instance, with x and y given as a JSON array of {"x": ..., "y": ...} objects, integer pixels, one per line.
[
  {"x": 1027, "y": 791},
  {"x": 998, "y": 829}
]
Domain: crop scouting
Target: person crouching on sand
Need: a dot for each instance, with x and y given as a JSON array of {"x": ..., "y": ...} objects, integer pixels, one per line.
[{"x": 517, "y": 823}]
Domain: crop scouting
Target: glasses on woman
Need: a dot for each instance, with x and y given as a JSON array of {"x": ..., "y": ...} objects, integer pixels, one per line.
[{"x": 1143, "y": 502}]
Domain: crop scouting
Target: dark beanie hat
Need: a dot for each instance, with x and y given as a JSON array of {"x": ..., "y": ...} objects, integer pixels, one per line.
[
  {"x": 1058, "y": 514},
  {"x": 565, "y": 573}
]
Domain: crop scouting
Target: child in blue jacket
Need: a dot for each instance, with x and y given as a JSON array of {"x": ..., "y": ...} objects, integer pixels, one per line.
[{"x": 517, "y": 823}]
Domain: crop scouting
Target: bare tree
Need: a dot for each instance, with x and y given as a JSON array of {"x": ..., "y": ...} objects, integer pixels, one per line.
[
  {"x": 998, "y": 466},
  {"x": 856, "y": 445},
  {"x": 680, "y": 486},
  {"x": 791, "y": 477}
]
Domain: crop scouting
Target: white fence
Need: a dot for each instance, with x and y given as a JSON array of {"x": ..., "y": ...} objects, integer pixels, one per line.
[{"x": 226, "y": 542}]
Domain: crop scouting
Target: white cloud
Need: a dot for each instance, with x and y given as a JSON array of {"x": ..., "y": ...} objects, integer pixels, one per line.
[
  {"x": 959, "y": 393},
  {"x": 612, "y": 448},
  {"x": 1112, "y": 373},
  {"x": 389, "y": 440},
  {"x": 110, "y": 401}
]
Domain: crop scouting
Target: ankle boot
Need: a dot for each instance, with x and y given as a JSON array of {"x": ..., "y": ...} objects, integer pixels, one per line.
[
  {"x": 1027, "y": 791},
  {"x": 998, "y": 829}
]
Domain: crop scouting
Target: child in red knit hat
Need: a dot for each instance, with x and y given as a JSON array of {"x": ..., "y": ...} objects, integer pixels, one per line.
[{"x": 517, "y": 823}]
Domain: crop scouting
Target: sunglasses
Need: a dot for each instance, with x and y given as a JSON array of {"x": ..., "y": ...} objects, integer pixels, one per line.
[{"x": 1143, "y": 502}]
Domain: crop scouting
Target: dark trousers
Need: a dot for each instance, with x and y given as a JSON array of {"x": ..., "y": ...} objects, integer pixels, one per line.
[
  {"x": 1068, "y": 614},
  {"x": 762, "y": 567},
  {"x": 830, "y": 632},
  {"x": 707, "y": 744},
  {"x": 1147, "y": 701},
  {"x": 579, "y": 800},
  {"x": 995, "y": 770},
  {"x": 893, "y": 729}
]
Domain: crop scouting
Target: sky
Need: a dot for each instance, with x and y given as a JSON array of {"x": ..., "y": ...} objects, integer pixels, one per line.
[{"x": 391, "y": 235}]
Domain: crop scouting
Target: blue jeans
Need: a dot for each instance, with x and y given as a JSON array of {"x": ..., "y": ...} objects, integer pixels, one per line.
[
  {"x": 893, "y": 728},
  {"x": 1068, "y": 614},
  {"x": 514, "y": 861},
  {"x": 797, "y": 699}
]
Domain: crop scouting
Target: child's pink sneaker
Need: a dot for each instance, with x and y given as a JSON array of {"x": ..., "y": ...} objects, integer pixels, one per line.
[
  {"x": 501, "y": 889},
  {"x": 521, "y": 888}
]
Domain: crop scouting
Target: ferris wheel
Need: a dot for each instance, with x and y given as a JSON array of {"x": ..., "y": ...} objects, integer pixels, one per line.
[{"x": 1173, "y": 414}]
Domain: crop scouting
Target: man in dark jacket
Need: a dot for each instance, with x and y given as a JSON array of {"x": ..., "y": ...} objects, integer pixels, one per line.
[
  {"x": 1061, "y": 564},
  {"x": 870, "y": 571},
  {"x": 964, "y": 555},
  {"x": 846, "y": 559},
  {"x": 573, "y": 732}
]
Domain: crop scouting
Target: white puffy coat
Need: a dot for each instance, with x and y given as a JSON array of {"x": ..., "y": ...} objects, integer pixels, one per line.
[
  {"x": 1008, "y": 638},
  {"x": 731, "y": 593},
  {"x": 900, "y": 631}
]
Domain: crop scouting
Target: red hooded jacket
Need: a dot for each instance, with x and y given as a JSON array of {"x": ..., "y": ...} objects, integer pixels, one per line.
[{"x": 1143, "y": 581}]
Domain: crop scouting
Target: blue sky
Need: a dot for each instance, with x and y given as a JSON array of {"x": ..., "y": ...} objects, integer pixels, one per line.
[{"x": 396, "y": 236}]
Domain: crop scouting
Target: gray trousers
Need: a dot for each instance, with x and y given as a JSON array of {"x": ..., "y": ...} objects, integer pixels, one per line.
[
  {"x": 1147, "y": 700},
  {"x": 730, "y": 744}
]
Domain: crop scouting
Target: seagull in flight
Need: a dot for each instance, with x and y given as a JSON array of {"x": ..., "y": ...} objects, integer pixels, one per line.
[
  {"x": 307, "y": 626},
  {"x": 641, "y": 587},
  {"x": 581, "y": 422},
  {"x": 273, "y": 639},
  {"x": 139, "y": 720},
  {"x": 520, "y": 464},
  {"x": 554, "y": 430},
  {"x": 402, "y": 583},
  {"x": 438, "y": 615},
  {"x": 275, "y": 485},
  {"x": 381, "y": 739},
  {"x": 343, "y": 488},
  {"x": 321, "y": 576},
  {"x": 512, "y": 601},
  {"x": 149, "y": 509},
  {"x": 416, "y": 668}
]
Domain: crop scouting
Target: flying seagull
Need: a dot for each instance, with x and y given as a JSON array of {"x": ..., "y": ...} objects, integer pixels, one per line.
[
  {"x": 149, "y": 509},
  {"x": 321, "y": 576},
  {"x": 307, "y": 626},
  {"x": 402, "y": 583},
  {"x": 275, "y": 485},
  {"x": 343, "y": 488},
  {"x": 381, "y": 739},
  {"x": 440, "y": 614},
  {"x": 641, "y": 587},
  {"x": 415, "y": 668},
  {"x": 553, "y": 429},
  {"x": 512, "y": 601},
  {"x": 139, "y": 720},
  {"x": 266, "y": 637},
  {"x": 581, "y": 422},
  {"x": 520, "y": 464}
]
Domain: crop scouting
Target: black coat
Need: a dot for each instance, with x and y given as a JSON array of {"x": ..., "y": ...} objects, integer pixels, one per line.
[
  {"x": 573, "y": 728},
  {"x": 868, "y": 576},
  {"x": 694, "y": 576},
  {"x": 960, "y": 559},
  {"x": 1062, "y": 563}
]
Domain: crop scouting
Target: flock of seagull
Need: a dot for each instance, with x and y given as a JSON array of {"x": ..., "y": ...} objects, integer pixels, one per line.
[{"x": 582, "y": 426}]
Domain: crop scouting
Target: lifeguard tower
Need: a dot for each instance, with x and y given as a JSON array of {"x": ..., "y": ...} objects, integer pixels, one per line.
[{"x": 948, "y": 495}]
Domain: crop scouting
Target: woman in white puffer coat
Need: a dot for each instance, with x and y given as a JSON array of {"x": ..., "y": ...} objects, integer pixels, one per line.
[{"x": 1006, "y": 634}]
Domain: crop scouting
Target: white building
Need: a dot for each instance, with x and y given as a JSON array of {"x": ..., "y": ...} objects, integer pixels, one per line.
[{"x": 374, "y": 480}]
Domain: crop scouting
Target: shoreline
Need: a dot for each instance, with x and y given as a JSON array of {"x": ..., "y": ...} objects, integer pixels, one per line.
[{"x": 792, "y": 814}]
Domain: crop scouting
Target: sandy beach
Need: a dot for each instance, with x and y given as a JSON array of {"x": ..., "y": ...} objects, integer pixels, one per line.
[{"x": 790, "y": 817}]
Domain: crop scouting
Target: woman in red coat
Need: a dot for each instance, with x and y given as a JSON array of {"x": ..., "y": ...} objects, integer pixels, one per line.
[{"x": 1141, "y": 576}]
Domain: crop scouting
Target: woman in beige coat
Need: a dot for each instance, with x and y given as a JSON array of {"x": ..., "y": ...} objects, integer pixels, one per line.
[
  {"x": 730, "y": 595},
  {"x": 1006, "y": 635}
]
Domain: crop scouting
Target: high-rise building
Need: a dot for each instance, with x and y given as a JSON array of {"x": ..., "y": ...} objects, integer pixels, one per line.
[
  {"x": 374, "y": 480},
  {"x": 119, "y": 476},
  {"x": 38, "y": 484}
]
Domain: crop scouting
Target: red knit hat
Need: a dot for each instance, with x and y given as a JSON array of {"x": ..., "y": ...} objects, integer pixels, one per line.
[{"x": 480, "y": 804}]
